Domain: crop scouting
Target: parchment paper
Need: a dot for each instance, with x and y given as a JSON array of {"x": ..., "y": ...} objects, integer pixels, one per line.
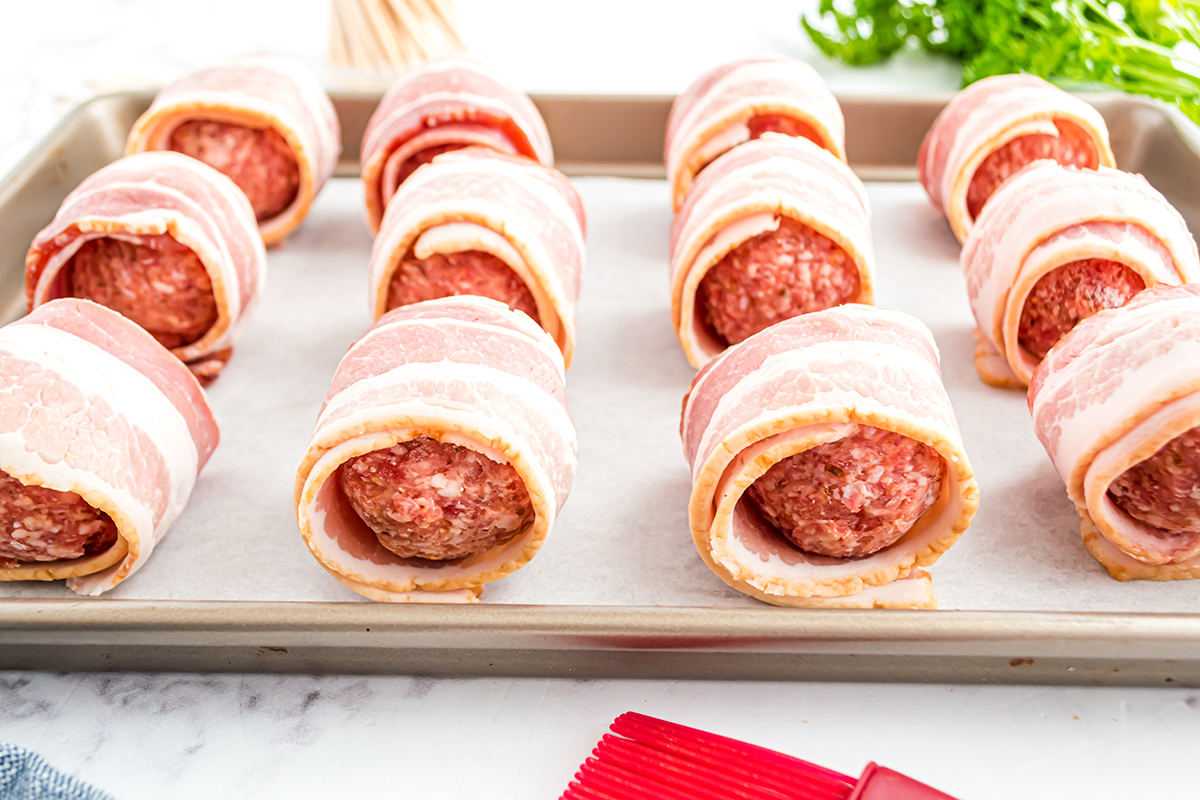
[{"x": 623, "y": 537}]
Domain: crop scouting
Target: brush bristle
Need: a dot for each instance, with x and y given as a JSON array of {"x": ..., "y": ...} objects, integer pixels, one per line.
[{"x": 651, "y": 759}]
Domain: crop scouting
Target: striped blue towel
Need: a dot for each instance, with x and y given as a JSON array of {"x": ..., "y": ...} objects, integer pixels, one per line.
[{"x": 27, "y": 776}]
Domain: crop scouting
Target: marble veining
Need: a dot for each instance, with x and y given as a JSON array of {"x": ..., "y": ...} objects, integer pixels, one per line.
[{"x": 149, "y": 736}]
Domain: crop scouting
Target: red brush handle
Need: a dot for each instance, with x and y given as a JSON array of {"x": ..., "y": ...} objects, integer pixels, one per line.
[
  {"x": 661, "y": 760},
  {"x": 881, "y": 783}
]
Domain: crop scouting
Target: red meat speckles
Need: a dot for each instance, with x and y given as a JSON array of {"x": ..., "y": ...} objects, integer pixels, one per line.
[
  {"x": 851, "y": 497},
  {"x": 156, "y": 282},
  {"x": 1164, "y": 490},
  {"x": 1069, "y": 294},
  {"x": 40, "y": 524},
  {"x": 430, "y": 499},
  {"x": 774, "y": 276},
  {"x": 258, "y": 160},
  {"x": 1071, "y": 148},
  {"x": 450, "y": 275}
]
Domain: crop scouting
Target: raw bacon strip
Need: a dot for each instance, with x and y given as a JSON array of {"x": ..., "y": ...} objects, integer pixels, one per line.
[
  {"x": 264, "y": 121},
  {"x": 740, "y": 101},
  {"x": 992, "y": 129},
  {"x": 100, "y": 426},
  {"x": 165, "y": 240},
  {"x": 854, "y": 390},
  {"x": 775, "y": 228},
  {"x": 453, "y": 397},
  {"x": 1058, "y": 244},
  {"x": 477, "y": 222},
  {"x": 1116, "y": 406},
  {"x": 445, "y": 105}
]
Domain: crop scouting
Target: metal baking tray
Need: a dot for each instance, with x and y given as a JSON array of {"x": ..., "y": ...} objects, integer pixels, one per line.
[{"x": 619, "y": 136}]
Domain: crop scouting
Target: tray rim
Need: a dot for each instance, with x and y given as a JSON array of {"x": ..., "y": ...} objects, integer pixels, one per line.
[
  {"x": 1188, "y": 130},
  {"x": 702, "y": 628},
  {"x": 1159, "y": 640}
]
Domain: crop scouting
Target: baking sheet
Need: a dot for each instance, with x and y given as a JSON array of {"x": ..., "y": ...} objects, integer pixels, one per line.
[{"x": 622, "y": 539}]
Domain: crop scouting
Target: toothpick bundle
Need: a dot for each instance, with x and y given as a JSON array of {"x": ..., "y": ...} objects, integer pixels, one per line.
[{"x": 392, "y": 35}]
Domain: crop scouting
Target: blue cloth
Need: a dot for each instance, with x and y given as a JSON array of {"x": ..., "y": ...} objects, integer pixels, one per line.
[{"x": 27, "y": 776}]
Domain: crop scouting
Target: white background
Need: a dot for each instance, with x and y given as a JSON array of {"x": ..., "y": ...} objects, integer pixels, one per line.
[{"x": 233, "y": 736}]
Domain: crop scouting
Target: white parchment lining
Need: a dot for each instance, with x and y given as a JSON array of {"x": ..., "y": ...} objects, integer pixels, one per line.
[{"x": 623, "y": 537}]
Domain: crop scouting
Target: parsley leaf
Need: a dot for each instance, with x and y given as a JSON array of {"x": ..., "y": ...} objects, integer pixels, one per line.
[{"x": 1147, "y": 47}]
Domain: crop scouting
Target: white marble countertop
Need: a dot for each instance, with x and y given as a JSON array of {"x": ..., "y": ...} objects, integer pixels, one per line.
[
  {"x": 184, "y": 736},
  {"x": 150, "y": 736}
]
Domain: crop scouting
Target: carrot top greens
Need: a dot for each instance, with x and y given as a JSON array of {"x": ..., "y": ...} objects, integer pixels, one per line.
[{"x": 1148, "y": 47}]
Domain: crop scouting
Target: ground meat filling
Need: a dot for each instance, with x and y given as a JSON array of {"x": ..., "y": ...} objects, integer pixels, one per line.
[
  {"x": 1164, "y": 490},
  {"x": 775, "y": 276},
  {"x": 258, "y": 160},
  {"x": 40, "y": 524},
  {"x": 852, "y": 497},
  {"x": 430, "y": 499},
  {"x": 453, "y": 274},
  {"x": 156, "y": 282},
  {"x": 775, "y": 123},
  {"x": 1069, "y": 294},
  {"x": 423, "y": 157},
  {"x": 788, "y": 126},
  {"x": 1071, "y": 149}
]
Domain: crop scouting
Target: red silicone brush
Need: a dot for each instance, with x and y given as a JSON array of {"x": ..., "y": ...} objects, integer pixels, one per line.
[{"x": 651, "y": 759}]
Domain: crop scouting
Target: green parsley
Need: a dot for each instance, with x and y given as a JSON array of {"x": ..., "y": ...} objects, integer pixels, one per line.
[{"x": 1147, "y": 47}]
